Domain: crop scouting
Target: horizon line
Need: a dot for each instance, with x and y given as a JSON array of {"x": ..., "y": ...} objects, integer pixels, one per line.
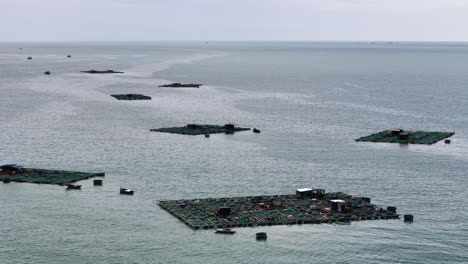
[{"x": 318, "y": 41}]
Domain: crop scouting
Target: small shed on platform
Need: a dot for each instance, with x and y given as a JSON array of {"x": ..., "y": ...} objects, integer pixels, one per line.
[
  {"x": 11, "y": 168},
  {"x": 338, "y": 205},
  {"x": 303, "y": 193}
]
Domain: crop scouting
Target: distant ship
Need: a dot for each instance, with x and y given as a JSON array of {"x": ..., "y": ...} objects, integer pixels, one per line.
[
  {"x": 181, "y": 85},
  {"x": 108, "y": 71}
]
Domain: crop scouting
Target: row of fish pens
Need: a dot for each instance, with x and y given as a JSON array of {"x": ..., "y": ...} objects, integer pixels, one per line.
[
  {"x": 42, "y": 176},
  {"x": 201, "y": 214}
]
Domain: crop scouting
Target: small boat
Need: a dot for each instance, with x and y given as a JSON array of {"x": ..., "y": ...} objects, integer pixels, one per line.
[
  {"x": 224, "y": 231},
  {"x": 261, "y": 235},
  {"x": 29, "y": 58},
  {"x": 6, "y": 180},
  {"x": 256, "y": 130},
  {"x": 68, "y": 56},
  {"x": 126, "y": 191},
  {"x": 207, "y": 135},
  {"x": 47, "y": 72},
  {"x": 73, "y": 186}
]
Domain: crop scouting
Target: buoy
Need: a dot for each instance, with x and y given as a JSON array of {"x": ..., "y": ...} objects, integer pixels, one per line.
[
  {"x": 447, "y": 141},
  {"x": 97, "y": 182},
  {"x": 408, "y": 218}
]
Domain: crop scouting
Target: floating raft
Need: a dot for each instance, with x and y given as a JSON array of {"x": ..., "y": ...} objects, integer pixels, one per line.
[
  {"x": 181, "y": 85},
  {"x": 195, "y": 129},
  {"x": 106, "y": 71},
  {"x": 131, "y": 97},
  {"x": 402, "y": 136},
  {"x": 274, "y": 210},
  {"x": 17, "y": 173}
]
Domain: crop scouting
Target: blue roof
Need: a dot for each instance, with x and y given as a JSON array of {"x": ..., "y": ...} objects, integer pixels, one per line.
[{"x": 13, "y": 166}]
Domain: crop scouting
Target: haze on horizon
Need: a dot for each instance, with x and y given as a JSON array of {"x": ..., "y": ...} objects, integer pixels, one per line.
[{"x": 223, "y": 20}]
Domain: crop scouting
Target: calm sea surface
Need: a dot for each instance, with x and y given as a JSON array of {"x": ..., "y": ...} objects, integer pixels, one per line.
[{"x": 311, "y": 100}]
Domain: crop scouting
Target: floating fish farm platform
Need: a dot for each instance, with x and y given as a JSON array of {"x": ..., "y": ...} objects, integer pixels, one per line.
[
  {"x": 195, "y": 129},
  {"x": 131, "y": 97},
  {"x": 182, "y": 85},
  {"x": 402, "y": 136},
  {"x": 15, "y": 173},
  {"x": 106, "y": 71},
  {"x": 275, "y": 210}
]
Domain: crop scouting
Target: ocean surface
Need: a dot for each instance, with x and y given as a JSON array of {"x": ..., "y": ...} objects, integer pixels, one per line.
[{"x": 310, "y": 100}]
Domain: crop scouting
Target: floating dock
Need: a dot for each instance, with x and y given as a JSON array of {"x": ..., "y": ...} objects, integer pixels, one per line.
[
  {"x": 131, "y": 97},
  {"x": 316, "y": 208},
  {"x": 403, "y": 136},
  {"x": 181, "y": 85},
  {"x": 196, "y": 129},
  {"x": 16, "y": 173},
  {"x": 106, "y": 71}
]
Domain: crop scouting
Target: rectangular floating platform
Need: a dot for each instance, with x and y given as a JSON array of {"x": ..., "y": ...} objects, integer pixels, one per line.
[
  {"x": 42, "y": 176},
  {"x": 402, "y": 136},
  {"x": 182, "y": 85},
  {"x": 274, "y": 210},
  {"x": 131, "y": 97},
  {"x": 195, "y": 129},
  {"x": 106, "y": 71}
]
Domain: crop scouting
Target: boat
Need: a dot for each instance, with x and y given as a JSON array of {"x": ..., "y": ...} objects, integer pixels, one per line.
[
  {"x": 224, "y": 231},
  {"x": 47, "y": 72},
  {"x": 107, "y": 71},
  {"x": 6, "y": 180},
  {"x": 261, "y": 235},
  {"x": 182, "y": 85},
  {"x": 256, "y": 130},
  {"x": 73, "y": 186},
  {"x": 29, "y": 58},
  {"x": 126, "y": 191},
  {"x": 68, "y": 56}
]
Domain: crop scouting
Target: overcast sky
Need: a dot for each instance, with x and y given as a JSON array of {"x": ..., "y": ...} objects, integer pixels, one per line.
[{"x": 320, "y": 20}]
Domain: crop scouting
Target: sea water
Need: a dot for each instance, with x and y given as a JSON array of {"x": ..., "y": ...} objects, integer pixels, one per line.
[{"x": 310, "y": 101}]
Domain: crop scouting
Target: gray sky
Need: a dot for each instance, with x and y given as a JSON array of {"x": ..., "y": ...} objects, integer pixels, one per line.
[{"x": 133, "y": 20}]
